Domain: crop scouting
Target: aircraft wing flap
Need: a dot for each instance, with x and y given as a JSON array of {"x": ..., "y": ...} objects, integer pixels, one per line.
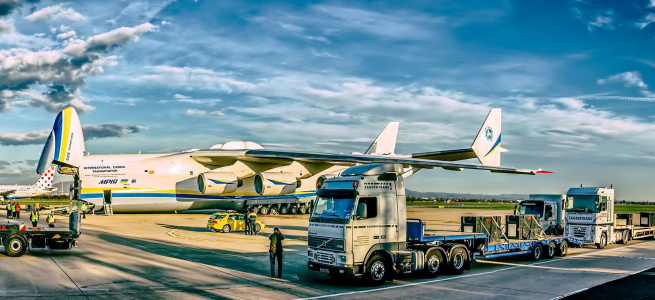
[
  {"x": 378, "y": 159},
  {"x": 448, "y": 155}
]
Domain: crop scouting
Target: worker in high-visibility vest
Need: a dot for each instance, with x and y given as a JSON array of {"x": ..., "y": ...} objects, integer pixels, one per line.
[
  {"x": 34, "y": 217},
  {"x": 51, "y": 219},
  {"x": 8, "y": 209},
  {"x": 13, "y": 210},
  {"x": 84, "y": 209}
]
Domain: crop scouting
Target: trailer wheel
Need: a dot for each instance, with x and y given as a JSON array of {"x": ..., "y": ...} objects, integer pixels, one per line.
[
  {"x": 433, "y": 263},
  {"x": 284, "y": 210},
  {"x": 549, "y": 250},
  {"x": 293, "y": 210},
  {"x": 603, "y": 241},
  {"x": 273, "y": 211},
  {"x": 458, "y": 260},
  {"x": 562, "y": 249},
  {"x": 226, "y": 228},
  {"x": 536, "y": 254},
  {"x": 376, "y": 270},
  {"x": 263, "y": 210},
  {"x": 625, "y": 237},
  {"x": 15, "y": 245}
]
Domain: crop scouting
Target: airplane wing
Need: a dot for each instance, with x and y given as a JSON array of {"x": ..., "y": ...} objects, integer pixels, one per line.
[
  {"x": 447, "y": 155},
  {"x": 349, "y": 159}
]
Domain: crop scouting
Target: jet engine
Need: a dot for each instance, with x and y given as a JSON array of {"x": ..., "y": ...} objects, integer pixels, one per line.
[
  {"x": 275, "y": 184},
  {"x": 216, "y": 183}
]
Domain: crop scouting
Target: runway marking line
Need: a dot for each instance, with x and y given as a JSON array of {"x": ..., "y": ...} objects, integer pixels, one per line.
[{"x": 479, "y": 274}]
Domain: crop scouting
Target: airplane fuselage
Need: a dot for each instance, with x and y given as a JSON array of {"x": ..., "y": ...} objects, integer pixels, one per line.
[{"x": 24, "y": 191}]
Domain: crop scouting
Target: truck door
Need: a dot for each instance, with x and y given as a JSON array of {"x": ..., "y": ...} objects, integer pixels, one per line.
[
  {"x": 549, "y": 216},
  {"x": 389, "y": 222},
  {"x": 366, "y": 231}
]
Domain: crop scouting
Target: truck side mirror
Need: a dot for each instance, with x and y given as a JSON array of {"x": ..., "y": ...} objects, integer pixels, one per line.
[
  {"x": 389, "y": 176},
  {"x": 361, "y": 211}
]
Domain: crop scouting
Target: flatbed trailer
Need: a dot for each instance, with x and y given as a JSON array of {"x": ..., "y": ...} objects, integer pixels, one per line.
[
  {"x": 478, "y": 244},
  {"x": 17, "y": 237}
]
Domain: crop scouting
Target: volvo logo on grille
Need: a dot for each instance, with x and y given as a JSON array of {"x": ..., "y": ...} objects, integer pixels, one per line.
[{"x": 324, "y": 243}]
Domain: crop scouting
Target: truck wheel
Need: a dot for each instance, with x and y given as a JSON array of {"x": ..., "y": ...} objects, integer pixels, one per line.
[
  {"x": 433, "y": 263},
  {"x": 549, "y": 250},
  {"x": 273, "y": 211},
  {"x": 15, "y": 245},
  {"x": 226, "y": 228},
  {"x": 263, "y": 210},
  {"x": 458, "y": 260},
  {"x": 603, "y": 241},
  {"x": 293, "y": 210},
  {"x": 625, "y": 237},
  {"x": 536, "y": 254},
  {"x": 562, "y": 249},
  {"x": 284, "y": 210},
  {"x": 376, "y": 270}
]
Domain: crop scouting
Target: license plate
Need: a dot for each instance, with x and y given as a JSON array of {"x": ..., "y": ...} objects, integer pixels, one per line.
[{"x": 324, "y": 270}]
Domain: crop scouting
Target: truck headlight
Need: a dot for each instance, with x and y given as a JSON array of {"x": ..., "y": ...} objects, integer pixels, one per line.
[{"x": 342, "y": 258}]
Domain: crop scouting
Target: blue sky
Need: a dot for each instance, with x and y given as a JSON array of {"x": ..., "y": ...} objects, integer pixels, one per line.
[{"x": 573, "y": 79}]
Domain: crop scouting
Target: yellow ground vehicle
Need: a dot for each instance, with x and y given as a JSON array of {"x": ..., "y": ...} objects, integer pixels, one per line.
[{"x": 229, "y": 221}]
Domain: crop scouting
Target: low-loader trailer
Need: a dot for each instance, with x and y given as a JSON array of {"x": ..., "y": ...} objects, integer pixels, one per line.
[{"x": 359, "y": 228}]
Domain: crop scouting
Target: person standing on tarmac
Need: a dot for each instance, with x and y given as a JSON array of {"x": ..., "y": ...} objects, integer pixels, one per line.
[
  {"x": 253, "y": 223},
  {"x": 84, "y": 208},
  {"x": 34, "y": 217},
  {"x": 275, "y": 252},
  {"x": 8, "y": 209},
  {"x": 51, "y": 219},
  {"x": 17, "y": 210},
  {"x": 13, "y": 211},
  {"x": 246, "y": 220}
]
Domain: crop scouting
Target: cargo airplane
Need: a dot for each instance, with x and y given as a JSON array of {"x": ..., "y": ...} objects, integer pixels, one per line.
[
  {"x": 228, "y": 175},
  {"x": 41, "y": 187}
]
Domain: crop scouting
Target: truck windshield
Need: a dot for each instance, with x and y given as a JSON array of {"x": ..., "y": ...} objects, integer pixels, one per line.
[
  {"x": 528, "y": 208},
  {"x": 334, "y": 209},
  {"x": 582, "y": 203}
]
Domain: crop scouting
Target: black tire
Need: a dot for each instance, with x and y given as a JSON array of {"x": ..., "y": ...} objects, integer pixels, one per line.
[
  {"x": 293, "y": 210},
  {"x": 273, "y": 210},
  {"x": 258, "y": 228},
  {"x": 284, "y": 210},
  {"x": 458, "y": 260},
  {"x": 15, "y": 245},
  {"x": 254, "y": 210},
  {"x": 433, "y": 263},
  {"x": 549, "y": 250},
  {"x": 603, "y": 241},
  {"x": 562, "y": 249},
  {"x": 227, "y": 228},
  {"x": 536, "y": 254},
  {"x": 625, "y": 237},
  {"x": 263, "y": 210},
  {"x": 377, "y": 270},
  {"x": 302, "y": 210}
]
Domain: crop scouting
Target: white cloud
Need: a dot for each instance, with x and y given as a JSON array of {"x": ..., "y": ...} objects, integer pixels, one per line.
[
  {"x": 7, "y": 26},
  {"x": 651, "y": 3},
  {"x": 602, "y": 21},
  {"x": 106, "y": 41},
  {"x": 55, "y": 12},
  {"x": 649, "y": 18},
  {"x": 195, "y": 112},
  {"x": 628, "y": 78},
  {"x": 217, "y": 113},
  {"x": 66, "y": 35}
]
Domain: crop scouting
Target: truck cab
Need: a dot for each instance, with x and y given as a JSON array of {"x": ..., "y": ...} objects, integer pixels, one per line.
[
  {"x": 590, "y": 215},
  {"x": 550, "y": 208},
  {"x": 355, "y": 217}
]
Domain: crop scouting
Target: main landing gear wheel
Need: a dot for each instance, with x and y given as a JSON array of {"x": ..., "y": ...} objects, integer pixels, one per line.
[
  {"x": 273, "y": 211},
  {"x": 263, "y": 210},
  {"x": 226, "y": 228},
  {"x": 293, "y": 210},
  {"x": 303, "y": 210},
  {"x": 284, "y": 210}
]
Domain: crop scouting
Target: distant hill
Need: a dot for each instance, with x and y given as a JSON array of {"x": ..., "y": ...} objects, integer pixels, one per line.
[{"x": 466, "y": 196}]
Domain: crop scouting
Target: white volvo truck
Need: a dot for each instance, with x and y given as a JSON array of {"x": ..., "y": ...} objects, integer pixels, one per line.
[
  {"x": 590, "y": 218},
  {"x": 359, "y": 228}
]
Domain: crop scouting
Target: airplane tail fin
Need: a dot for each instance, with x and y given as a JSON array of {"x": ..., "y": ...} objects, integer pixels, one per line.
[
  {"x": 487, "y": 145},
  {"x": 385, "y": 143},
  {"x": 65, "y": 145},
  {"x": 46, "y": 180}
]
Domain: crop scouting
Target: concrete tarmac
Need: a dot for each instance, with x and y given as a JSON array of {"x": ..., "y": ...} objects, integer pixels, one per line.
[{"x": 174, "y": 256}]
